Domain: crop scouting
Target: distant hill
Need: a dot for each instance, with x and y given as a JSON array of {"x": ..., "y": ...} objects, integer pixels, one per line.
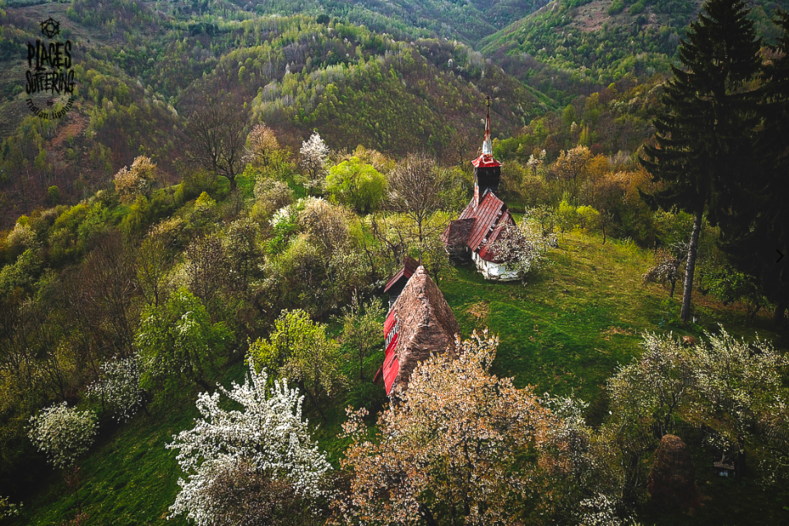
[
  {"x": 139, "y": 69},
  {"x": 600, "y": 41},
  {"x": 465, "y": 20}
]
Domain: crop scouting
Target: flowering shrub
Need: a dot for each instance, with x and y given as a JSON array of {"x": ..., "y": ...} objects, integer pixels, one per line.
[
  {"x": 119, "y": 387},
  {"x": 268, "y": 436},
  {"x": 523, "y": 247},
  {"x": 63, "y": 434}
]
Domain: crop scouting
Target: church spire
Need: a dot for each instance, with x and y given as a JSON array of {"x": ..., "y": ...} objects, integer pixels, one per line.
[{"x": 487, "y": 146}]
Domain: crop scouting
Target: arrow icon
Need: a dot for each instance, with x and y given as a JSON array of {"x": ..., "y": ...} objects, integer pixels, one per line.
[{"x": 780, "y": 258}]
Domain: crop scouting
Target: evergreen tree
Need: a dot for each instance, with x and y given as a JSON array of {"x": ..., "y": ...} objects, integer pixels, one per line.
[
  {"x": 758, "y": 223},
  {"x": 703, "y": 134}
]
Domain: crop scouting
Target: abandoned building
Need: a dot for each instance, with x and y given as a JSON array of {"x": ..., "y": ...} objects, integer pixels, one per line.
[
  {"x": 472, "y": 236},
  {"x": 419, "y": 322}
]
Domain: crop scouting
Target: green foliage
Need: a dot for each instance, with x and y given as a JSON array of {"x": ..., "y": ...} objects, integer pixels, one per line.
[
  {"x": 588, "y": 218},
  {"x": 356, "y": 184},
  {"x": 53, "y": 195},
  {"x": 179, "y": 336},
  {"x": 566, "y": 216},
  {"x": 300, "y": 350}
]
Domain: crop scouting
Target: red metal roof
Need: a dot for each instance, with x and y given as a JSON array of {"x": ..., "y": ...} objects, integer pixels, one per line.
[
  {"x": 390, "y": 372},
  {"x": 488, "y": 213},
  {"x": 409, "y": 267},
  {"x": 389, "y": 323},
  {"x": 487, "y": 252},
  {"x": 485, "y": 161},
  {"x": 391, "y": 366}
]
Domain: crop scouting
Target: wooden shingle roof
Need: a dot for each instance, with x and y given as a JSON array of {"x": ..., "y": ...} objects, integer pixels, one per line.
[{"x": 423, "y": 323}]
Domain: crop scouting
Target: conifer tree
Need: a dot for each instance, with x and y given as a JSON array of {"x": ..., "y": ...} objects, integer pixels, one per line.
[
  {"x": 703, "y": 134},
  {"x": 758, "y": 224}
]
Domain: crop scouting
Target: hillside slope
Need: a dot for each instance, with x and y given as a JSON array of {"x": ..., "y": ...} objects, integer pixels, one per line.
[
  {"x": 139, "y": 69},
  {"x": 601, "y": 41}
]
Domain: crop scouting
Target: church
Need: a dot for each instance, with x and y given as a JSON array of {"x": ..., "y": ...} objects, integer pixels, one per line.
[{"x": 471, "y": 237}]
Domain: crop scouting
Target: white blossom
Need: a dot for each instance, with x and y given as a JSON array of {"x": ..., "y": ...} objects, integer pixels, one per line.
[
  {"x": 523, "y": 247},
  {"x": 63, "y": 434},
  {"x": 119, "y": 386},
  {"x": 314, "y": 154},
  {"x": 268, "y": 434}
]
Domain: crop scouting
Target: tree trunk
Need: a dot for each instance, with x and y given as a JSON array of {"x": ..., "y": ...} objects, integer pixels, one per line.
[
  {"x": 673, "y": 284},
  {"x": 691, "y": 266}
]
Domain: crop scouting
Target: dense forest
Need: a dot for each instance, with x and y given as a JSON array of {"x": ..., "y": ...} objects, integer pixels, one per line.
[{"x": 193, "y": 260}]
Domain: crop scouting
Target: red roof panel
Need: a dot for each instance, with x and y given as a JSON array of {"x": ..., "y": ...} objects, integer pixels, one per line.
[
  {"x": 389, "y": 323},
  {"x": 485, "y": 161},
  {"x": 488, "y": 213},
  {"x": 409, "y": 267},
  {"x": 391, "y": 368}
]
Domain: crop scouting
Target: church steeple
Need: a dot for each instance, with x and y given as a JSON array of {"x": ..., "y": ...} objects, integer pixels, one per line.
[
  {"x": 487, "y": 170},
  {"x": 487, "y": 145}
]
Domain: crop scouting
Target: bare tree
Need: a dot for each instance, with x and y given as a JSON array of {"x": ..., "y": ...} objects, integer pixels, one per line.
[
  {"x": 217, "y": 132},
  {"x": 416, "y": 189}
]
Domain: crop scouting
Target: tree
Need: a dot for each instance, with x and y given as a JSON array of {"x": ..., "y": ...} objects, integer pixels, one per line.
[
  {"x": 263, "y": 150},
  {"x": 665, "y": 270},
  {"x": 647, "y": 394},
  {"x": 179, "y": 336},
  {"x": 416, "y": 189},
  {"x": 361, "y": 328},
  {"x": 588, "y": 218},
  {"x": 154, "y": 260},
  {"x": 217, "y": 129},
  {"x": 266, "y": 438},
  {"x": 523, "y": 247},
  {"x": 356, "y": 184},
  {"x": 206, "y": 268},
  {"x": 134, "y": 181},
  {"x": 8, "y": 509},
  {"x": 758, "y": 223},
  {"x": 703, "y": 134},
  {"x": 570, "y": 168},
  {"x": 119, "y": 387},
  {"x": 736, "y": 383},
  {"x": 314, "y": 154},
  {"x": 300, "y": 349},
  {"x": 582, "y": 480},
  {"x": 63, "y": 434},
  {"x": 452, "y": 451},
  {"x": 566, "y": 217}
]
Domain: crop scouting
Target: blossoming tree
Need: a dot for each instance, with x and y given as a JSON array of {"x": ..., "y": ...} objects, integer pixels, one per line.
[
  {"x": 450, "y": 452},
  {"x": 267, "y": 437}
]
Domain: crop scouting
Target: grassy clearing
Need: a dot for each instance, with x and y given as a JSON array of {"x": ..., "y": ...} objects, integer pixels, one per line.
[{"x": 565, "y": 331}]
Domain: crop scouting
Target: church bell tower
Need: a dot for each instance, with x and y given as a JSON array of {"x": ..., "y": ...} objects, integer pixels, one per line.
[{"x": 487, "y": 170}]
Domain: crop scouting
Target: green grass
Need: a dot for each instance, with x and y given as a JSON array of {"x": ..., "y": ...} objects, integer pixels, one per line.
[{"x": 564, "y": 332}]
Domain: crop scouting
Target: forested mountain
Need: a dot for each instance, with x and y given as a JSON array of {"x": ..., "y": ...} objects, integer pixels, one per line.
[
  {"x": 599, "y": 41},
  {"x": 139, "y": 68}
]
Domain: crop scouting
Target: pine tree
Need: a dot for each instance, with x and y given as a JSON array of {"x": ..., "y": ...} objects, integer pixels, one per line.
[
  {"x": 758, "y": 223},
  {"x": 703, "y": 134}
]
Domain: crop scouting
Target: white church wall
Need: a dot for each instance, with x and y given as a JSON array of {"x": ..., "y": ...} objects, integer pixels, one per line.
[{"x": 493, "y": 271}]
